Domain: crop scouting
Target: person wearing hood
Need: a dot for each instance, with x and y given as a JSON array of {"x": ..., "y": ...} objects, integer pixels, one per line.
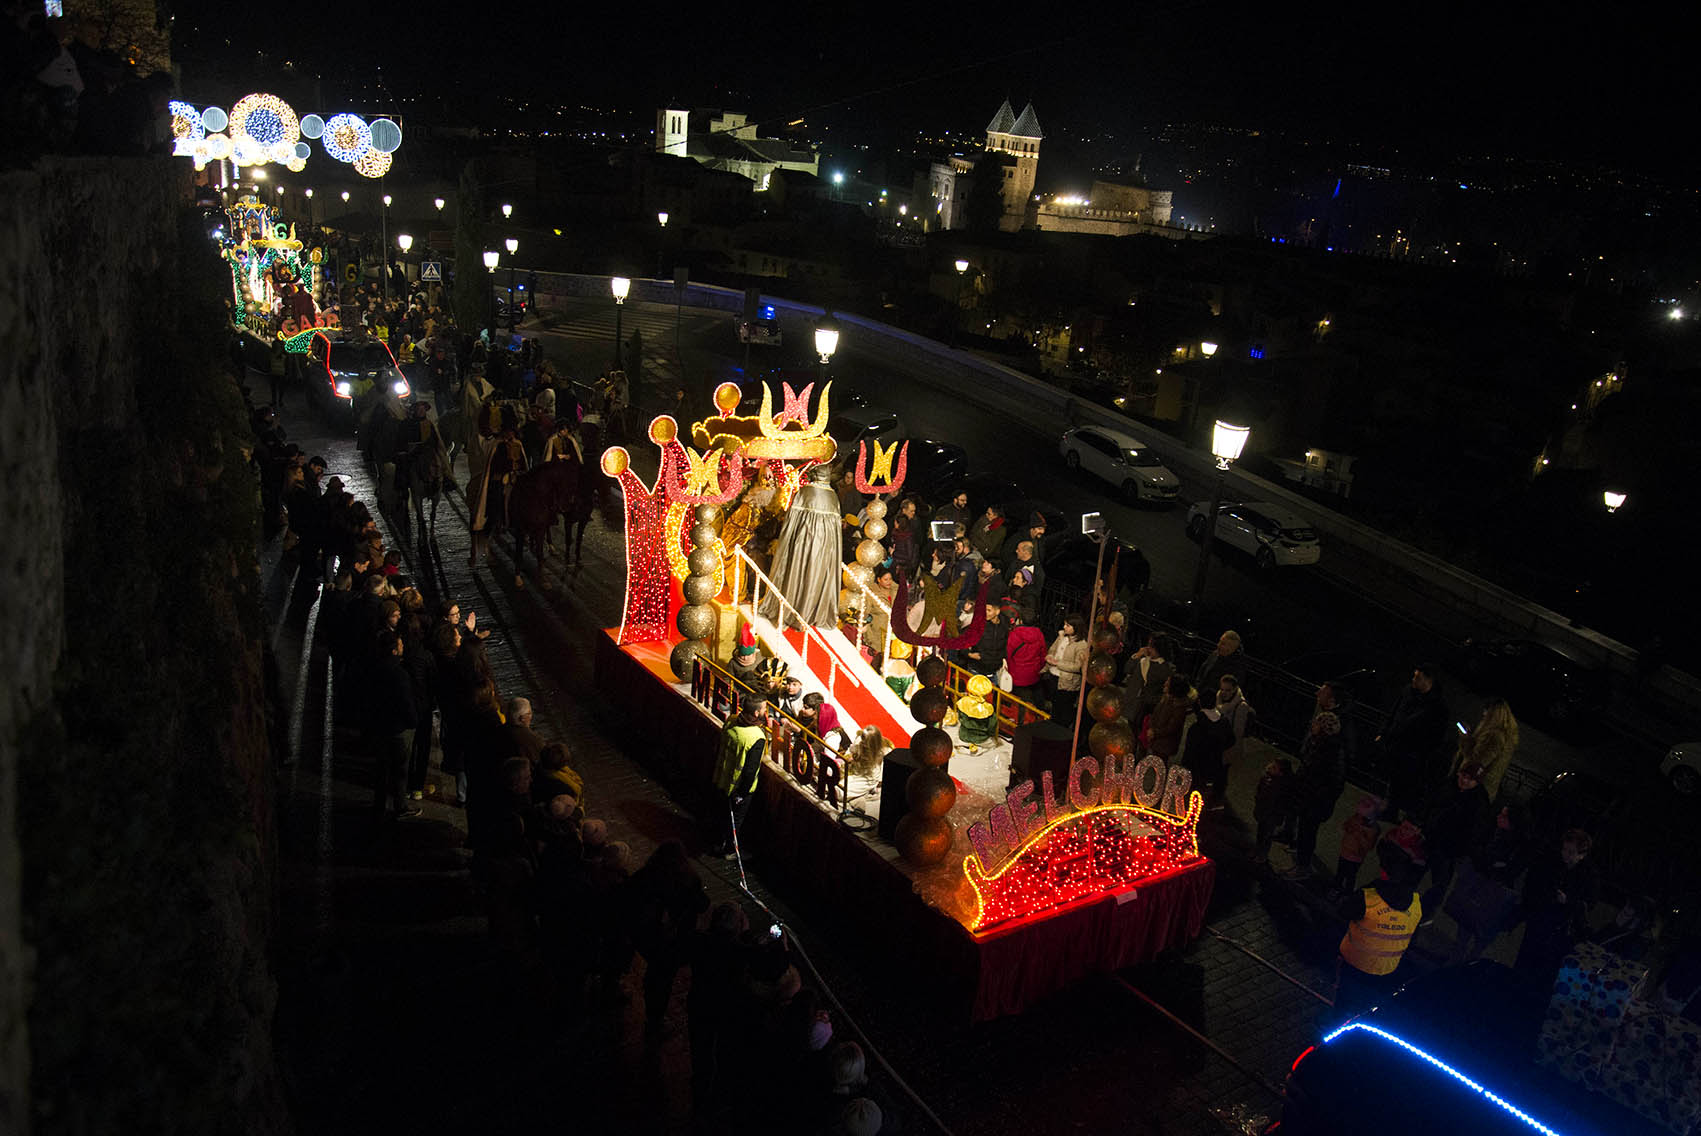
[{"x": 1381, "y": 921}]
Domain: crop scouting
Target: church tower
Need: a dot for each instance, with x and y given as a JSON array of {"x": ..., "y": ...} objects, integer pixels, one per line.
[
  {"x": 672, "y": 129},
  {"x": 1019, "y": 137}
]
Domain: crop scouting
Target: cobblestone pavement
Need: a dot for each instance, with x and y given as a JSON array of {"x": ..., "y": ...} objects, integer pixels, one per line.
[{"x": 397, "y": 1013}]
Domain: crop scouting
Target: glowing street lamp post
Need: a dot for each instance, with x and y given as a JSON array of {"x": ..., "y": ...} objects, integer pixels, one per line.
[
  {"x": 1613, "y": 501},
  {"x": 405, "y": 243},
  {"x": 962, "y": 267},
  {"x": 384, "y": 247},
  {"x": 1226, "y": 443},
  {"x": 620, "y": 286},
  {"x": 513, "y": 247},
  {"x": 491, "y": 258},
  {"x": 826, "y": 342}
]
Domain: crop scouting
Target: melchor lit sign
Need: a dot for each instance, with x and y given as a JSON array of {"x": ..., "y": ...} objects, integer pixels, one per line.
[{"x": 1108, "y": 830}]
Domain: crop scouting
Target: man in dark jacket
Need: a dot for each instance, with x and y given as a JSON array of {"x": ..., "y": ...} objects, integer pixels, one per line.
[
  {"x": 987, "y": 654},
  {"x": 1557, "y": 895},
  {"x": 518, "y": 737},
  {"x": 391, "y": 717},
  {"x": 1227, "y": 659},
  {"x": 1413, "y": 738},
  {"x": 1148, "y": 670}
]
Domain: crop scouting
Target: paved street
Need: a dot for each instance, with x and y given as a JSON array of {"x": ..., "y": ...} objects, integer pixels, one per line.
[{"x": 397, "y": 1014}]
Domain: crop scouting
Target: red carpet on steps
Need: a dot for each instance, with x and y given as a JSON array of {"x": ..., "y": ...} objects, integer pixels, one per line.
[{"x": 850, "y": 699}]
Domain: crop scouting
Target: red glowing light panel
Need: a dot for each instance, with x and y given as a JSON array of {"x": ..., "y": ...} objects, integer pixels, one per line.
[{"x": 1108, "y": 849}]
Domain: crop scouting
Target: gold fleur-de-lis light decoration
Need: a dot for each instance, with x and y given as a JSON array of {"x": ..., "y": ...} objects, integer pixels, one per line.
[{"x": 880, "y": 481}]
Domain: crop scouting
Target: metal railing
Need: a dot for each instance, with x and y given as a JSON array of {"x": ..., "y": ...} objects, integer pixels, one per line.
[
  {"x": 1020, "y": 713},
  {"x": 759, "y": 579}
]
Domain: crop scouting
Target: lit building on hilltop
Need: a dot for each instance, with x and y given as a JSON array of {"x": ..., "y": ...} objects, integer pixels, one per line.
[
  {"x": 729, "y": 143},
  {"x": 1109, "y": 208}
]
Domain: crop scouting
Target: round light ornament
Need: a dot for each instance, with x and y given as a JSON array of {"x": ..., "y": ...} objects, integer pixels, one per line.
[
  {"x": 312, "y": 126},
  {"x": 372, "y": 164},
  {"x": 218, "y": 147},
  {"x": 346, "y": 137},
  {"x": 386, "y": 136},
  {"x": 186, "y": 121},
  {"x": 215, "y": 119},
  {"x": 265, "y": 118}
]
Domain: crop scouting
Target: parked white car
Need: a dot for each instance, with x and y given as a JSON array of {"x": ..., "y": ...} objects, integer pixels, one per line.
[
  {"x": 1122, "y": 460},
  {"x": 1682, "y": 767},
  {"x": 1270, "y": 534}
]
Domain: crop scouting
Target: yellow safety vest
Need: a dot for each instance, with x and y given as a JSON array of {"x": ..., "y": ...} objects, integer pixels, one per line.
[
  {"x": 1375, "y": 943},
  {"x": 736, "y": 744}
]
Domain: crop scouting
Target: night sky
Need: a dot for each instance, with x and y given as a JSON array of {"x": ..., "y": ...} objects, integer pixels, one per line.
[{"x": 1568, "y": 82}]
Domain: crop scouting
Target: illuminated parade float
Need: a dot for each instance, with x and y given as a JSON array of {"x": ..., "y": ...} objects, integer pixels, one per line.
[{"x": 924, "y": 808}]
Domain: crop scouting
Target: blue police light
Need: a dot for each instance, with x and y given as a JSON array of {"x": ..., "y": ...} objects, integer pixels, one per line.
[
  {"x": 1445, "y": 1068},
  {"x": 767, "y": 311}
]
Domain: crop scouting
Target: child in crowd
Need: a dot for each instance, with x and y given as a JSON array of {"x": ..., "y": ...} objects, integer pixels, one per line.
[
  {"x": 1270, "y": 806},
  {"x": 1359, "y": 833}
]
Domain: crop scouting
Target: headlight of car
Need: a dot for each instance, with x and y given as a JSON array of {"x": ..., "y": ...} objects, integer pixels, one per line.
[
  {"x": 400, "y": 386},
  {"x": 343, "y": 388}
]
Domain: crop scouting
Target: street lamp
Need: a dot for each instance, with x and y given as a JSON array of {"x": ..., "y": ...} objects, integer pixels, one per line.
[
  {"x": 404, "y": 242},
  {"x": 491, "y": 257},
  {"x": 1612, "y": 500},
  {"x": 620, "y": 286},
  {"x": 507, "y": 210},
  {"x": 826, "y": 341},
  {"x": 309, "y": 192},
  {"x": 439, "y": 202},
  {"x": 513, "y": 247},
  {"x": 345, "y": 197},
  {"x": 962, "y": 267},
  {"x": 387, "y": 200},
  {"x": 1207, "y": 349},
  {"x": 1226, "y": 443},
  {"x": 661, "y": 219}
]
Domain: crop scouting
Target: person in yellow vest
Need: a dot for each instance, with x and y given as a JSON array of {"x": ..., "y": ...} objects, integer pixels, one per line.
[
  {"x": 743, "y": 742},
  {"x": 1381, "y": 921}
]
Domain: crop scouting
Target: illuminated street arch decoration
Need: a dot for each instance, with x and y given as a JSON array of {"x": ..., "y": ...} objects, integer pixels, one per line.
[
  {"x": 386, "y": 136},
  {"x": 1105, "y": 835}
]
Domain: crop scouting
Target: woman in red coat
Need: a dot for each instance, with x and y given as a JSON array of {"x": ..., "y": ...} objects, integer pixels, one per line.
[{"x": 1024, "y": 657}]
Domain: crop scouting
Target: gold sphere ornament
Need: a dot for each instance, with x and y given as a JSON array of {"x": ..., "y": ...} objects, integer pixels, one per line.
[
  {"x": 929, "y": 705},
  {"x": 932, "y": 671},
  {"x": 1106, "y": 739},
  {"x": 696, "y": 621},
  {"x": 707, "y": 514},
  {"x": 860, "y": 574},
  {"x": 680, "y": 659},
  {"x": 876, "y": 509},
  {"x": 663, "y": 429},
  {"x": 874, "y": 529},
  {"x": 703, "y": 535},
  {"x": 930, "y": 792},
  {"x": 727, "y": 397},
  {"x": 924, "y": 840},
  {"x": 699, "y": 589},
  {"x": 615, "y": 461},
  {"x": 1101, "y": 670},
  {"x": 1104, "y": 703},
  {"x": 870, "y": 553},
  {"x": 703, "y": 561},
  {"x": 1106, "y": 638},
  {"x": 931, "y": 746}
]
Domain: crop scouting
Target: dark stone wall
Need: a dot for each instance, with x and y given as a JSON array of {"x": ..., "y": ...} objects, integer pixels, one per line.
[{"x": 137, "y": 848}]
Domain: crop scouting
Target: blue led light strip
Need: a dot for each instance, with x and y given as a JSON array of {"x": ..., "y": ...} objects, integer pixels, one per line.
[{"x": 1445, "y": 1068}]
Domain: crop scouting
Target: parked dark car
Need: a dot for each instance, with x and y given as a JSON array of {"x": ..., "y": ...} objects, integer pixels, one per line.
[
  {"x": 931, "y": 465},
  {"x": 1539, "y": 682},
  {"x": 1452, "y": 1052},
  {"x": 1072, "y": 559}
]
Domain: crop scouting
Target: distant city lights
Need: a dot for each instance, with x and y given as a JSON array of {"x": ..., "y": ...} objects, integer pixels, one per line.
[{"x": 1675, "y": 313}]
